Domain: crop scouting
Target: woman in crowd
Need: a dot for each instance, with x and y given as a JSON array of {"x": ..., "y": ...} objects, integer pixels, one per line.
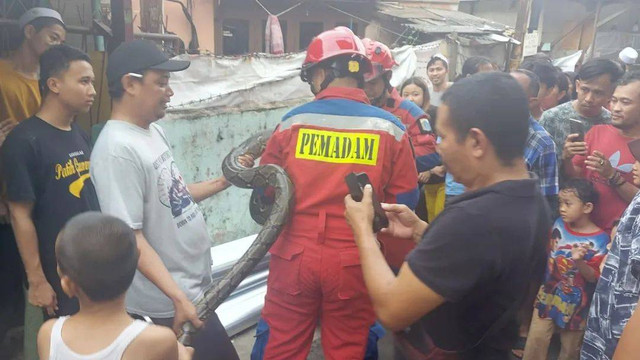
[{"x": 416, "y": 90}]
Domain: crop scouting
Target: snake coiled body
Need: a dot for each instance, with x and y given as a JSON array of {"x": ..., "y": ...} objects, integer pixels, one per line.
[{"x": 273, "y": 219}]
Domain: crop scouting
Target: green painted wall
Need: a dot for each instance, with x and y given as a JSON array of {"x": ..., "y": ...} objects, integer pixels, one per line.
[{"x": 200, "y": 145}]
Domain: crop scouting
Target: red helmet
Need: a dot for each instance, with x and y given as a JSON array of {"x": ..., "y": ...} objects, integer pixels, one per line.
[
  {"x": 333, "y": 43},
  {"x": 380, "y": 56}
]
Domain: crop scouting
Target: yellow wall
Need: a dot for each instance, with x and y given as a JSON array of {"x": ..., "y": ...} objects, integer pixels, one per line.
[
  {"x": 203, "y": 15},
  {"x": 176, "y": 22},
  {"x": 309, "y": 12}
]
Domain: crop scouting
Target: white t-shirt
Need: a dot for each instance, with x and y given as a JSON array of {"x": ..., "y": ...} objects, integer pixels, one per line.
[
  {"x": 58, "y": 350},
  {"x": 436, "y": 96},
  {"x": 137, "y": 180}
]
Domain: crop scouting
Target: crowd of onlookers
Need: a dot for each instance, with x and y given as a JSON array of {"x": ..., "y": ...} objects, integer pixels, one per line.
[
  {"x": 582, "y": 129},
  {"x": 582, "y": 147}
]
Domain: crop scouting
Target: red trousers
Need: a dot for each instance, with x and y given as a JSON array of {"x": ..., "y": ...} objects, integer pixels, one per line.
[{"x": 315, "y": 279}]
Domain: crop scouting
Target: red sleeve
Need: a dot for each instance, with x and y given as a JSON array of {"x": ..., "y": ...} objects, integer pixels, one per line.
[
  {"x": 273, "y": 152},
  {"x": 403, "y": 183},
  {"x": 423, "y": 144},
  {"x": 594, "y": 263}
]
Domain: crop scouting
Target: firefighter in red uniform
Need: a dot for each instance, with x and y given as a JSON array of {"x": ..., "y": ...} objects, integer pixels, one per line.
[
  {"x": 381, "y": 94},
  {"x": 314, "y": 273}
]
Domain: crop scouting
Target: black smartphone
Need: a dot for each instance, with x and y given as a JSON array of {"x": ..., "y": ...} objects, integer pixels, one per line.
[
  {"x": 577, "y": 127},
  {"x": 356, "y": 183}
]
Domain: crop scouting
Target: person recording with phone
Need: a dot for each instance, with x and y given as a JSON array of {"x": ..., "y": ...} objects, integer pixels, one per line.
[
  {"x": 603, "y": 156},
  {"x": 594, "y": 86},
  {"x": 481, "y": 273}
]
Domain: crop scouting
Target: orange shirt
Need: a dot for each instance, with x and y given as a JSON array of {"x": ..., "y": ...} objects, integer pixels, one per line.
[
  {"x": 19, "y": 99},
  {"x": 19, "y": 96}
]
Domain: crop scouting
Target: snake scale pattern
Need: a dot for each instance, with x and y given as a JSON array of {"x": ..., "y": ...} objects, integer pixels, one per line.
[{"x": 273, "y": 219}]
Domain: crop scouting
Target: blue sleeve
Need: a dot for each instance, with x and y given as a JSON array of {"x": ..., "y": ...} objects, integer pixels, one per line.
[
  {"x": 428, "y": 162},
  {"x": 409, "y": 198}
]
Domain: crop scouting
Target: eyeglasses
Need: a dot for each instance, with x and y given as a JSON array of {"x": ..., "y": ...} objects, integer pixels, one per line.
[{"x": 135, "y": 75}]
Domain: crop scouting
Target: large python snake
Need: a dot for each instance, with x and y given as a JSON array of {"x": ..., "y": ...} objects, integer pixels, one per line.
[{"x": 272, "y": 216}]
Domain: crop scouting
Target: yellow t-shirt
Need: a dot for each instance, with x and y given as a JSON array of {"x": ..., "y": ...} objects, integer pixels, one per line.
[{"x": 19, "y": 96}]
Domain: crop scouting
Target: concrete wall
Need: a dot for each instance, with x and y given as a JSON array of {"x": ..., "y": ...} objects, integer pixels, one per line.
[{"x": 200, "y": 145}]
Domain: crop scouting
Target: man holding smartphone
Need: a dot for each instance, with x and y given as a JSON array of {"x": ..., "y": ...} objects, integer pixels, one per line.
[
  {"x": 603, "y": 157},
  {"x": 459, "y": 291},
  {"x": 383, "y": 95},
  {"x": 596, "y": 82}
]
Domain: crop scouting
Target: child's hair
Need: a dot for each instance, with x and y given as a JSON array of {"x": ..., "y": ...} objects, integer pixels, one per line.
[
  {"x": 583, "y": 189},
  {"x": 99, "y": 253},
  {"x": 57, "y": 60},
  {"x": 417, "y": 81}
]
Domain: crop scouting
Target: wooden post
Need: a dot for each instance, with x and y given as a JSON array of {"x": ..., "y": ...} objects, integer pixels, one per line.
[
  {"x": 121, "y": 22},
  {"x": 522, "y": 23},
  {"x": 151, "y": 16},
  {"x": 452, "y": 54},
  {"x": 595, "y": 29}
]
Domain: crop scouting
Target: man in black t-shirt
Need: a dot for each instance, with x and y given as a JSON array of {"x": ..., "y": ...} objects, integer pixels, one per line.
[
  {"x": 458, "y": 293},
  {"x": 46, "y": 166}
]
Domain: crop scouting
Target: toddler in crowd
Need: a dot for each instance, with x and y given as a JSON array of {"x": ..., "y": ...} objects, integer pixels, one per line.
[
  {"x": 97, "y": 258},
  {"x": 577, "y": 248}
]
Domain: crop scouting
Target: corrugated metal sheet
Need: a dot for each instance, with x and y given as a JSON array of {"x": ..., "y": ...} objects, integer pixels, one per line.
[{"x": 428, "y": 20}]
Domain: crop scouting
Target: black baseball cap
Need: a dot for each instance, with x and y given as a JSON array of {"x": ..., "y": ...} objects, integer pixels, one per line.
[{"x": 136, "y": 57}]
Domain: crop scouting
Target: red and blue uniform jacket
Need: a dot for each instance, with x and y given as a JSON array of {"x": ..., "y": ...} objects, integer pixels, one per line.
[
  {"x": 320, "y": 142},
  {"x": 410, "y": 114}
]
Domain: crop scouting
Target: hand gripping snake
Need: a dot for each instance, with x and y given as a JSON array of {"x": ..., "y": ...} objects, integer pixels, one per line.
[{"x": 272, "y": 216}]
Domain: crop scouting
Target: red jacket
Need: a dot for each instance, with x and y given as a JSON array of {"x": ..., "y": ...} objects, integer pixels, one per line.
[
  {"x": 410, "y": 114},
  {"x": 320, "y": 142}
]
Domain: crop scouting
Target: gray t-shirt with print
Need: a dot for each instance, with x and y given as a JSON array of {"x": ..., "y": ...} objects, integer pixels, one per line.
[{"x": 137, "y": 180}]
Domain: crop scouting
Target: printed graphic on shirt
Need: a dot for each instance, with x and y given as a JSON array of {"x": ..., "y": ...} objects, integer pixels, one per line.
[
  {"x": 616, "y": 296},
  {"x": 172, "y": 189},
  {"x": 77, "y": 169},
  {"x": 338, "y": 147},
  {"x": 564, "y": 297},
  {"x": 615, "y": 163}
]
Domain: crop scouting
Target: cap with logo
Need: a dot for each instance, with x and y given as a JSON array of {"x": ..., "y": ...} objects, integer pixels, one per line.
[
  {"x": 628, "y": 55},
  {"x": 37, "y": 13},
  {"x": 138, "y": 56}
]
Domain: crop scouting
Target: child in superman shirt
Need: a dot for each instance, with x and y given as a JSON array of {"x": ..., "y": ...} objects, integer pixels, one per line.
[{"x": 577, "y": 248}]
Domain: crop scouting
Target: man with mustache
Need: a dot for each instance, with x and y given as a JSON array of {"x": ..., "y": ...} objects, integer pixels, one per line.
[{"x": 138, "y": 181}]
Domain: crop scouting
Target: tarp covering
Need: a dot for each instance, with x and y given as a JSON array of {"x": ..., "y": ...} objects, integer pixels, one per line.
[
  {"x": 213, "y": 85},
  {"x": 568, "y": 63}
]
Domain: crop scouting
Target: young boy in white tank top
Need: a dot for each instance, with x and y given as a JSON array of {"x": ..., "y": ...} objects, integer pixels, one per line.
[{"x": 97, "y": 258}]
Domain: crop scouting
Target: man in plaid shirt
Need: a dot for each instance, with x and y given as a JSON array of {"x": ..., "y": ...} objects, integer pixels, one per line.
[{"x": 540, "y": 151}]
